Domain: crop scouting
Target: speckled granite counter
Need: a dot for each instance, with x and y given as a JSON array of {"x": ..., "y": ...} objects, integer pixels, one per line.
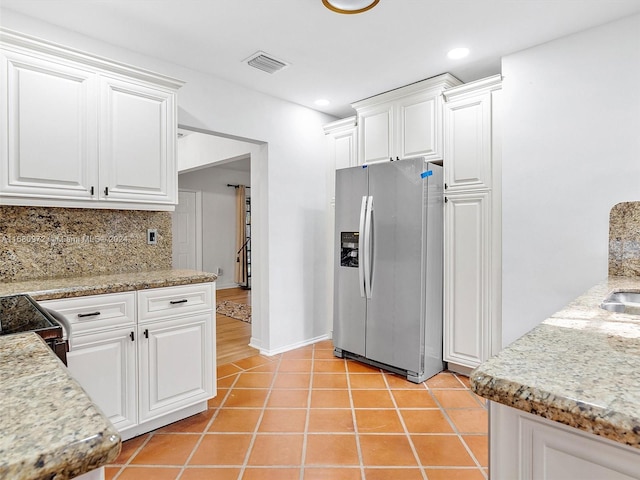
[
  {"x": 49, "y": 428},
  {"x": 51, "y": 289},
  {"x": 580, "y": 367}
]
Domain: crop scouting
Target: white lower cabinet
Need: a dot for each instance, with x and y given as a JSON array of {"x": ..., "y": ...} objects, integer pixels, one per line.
[
  {"x": 467, "y": 279},
  {"x": 104, "y": 363},
  {"x": 145, "y": 358},
  {"x": 176, "y": 364},
  {"x": 528, "y": 447}
]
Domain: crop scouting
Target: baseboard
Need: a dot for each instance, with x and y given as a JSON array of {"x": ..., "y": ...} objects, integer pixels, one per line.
[
  {"x": 225, "y": 286},
  {"x": 461, "y": 369},
  {"x": 290, "y": 347}
]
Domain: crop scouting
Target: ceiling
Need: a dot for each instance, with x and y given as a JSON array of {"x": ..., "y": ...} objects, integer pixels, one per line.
[{"x": 343, "y": 58}]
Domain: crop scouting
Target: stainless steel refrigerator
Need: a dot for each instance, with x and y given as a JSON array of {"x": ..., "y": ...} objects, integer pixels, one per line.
[{"x": 388, "y": 267}]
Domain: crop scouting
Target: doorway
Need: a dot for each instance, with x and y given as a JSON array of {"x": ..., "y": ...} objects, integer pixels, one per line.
[{"x": 208, "y": 165}]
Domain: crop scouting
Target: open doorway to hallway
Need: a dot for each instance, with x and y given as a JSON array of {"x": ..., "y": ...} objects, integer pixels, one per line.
[{"x": 205, "y": 229}]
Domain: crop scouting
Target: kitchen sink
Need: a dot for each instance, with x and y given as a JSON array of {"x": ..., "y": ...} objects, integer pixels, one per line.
[{"x": 622, "y": 302}]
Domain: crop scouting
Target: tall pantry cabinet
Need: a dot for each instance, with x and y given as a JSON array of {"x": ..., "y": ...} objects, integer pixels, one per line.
[{"x": 472, "y": 212}]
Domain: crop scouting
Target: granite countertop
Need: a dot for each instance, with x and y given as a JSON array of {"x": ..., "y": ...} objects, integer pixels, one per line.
[
  {"x": 580, "y": 367},
  {"x": 49, "y": 428},
  {"x": 67, "y": 287}
]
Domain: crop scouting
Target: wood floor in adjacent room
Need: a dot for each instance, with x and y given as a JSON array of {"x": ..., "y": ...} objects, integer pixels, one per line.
[{"x": 233, "y": 336}]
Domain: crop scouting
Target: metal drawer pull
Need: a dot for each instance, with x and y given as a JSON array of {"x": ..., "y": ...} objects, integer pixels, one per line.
[
  {"x": 81, "y": 315},
  {"x": 146, "y": 333},
  {"x": 174, "y": 302},
  {"x": 132, "y": 336}
]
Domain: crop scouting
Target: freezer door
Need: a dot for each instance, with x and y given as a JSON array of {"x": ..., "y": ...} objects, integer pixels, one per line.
[
  {"x": 349, "y": 313},
  {"x": 395, "y": 311}
]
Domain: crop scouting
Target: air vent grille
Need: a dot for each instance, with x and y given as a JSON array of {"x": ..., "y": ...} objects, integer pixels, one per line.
[{"x": 266, "y": 63}]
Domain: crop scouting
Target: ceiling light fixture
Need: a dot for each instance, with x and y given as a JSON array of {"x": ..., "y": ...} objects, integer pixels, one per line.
[
  {"x": 458, "y": 53},
  {"x": 350, "y": 6}
]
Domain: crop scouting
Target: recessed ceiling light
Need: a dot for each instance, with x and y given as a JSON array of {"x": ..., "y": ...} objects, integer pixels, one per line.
[
  {"x": 457, "y": 53},
  {"x": 350, "y": 6},
  {"x": 322, "y": 102}
]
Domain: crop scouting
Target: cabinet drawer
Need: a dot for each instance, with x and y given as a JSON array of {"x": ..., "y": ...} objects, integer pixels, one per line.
[
  {"x": 174, "y": 301},
  {"x": 96, "y": 312}
]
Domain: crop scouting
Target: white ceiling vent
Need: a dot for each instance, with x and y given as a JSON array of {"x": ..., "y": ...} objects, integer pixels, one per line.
[{"x": 265, "y": 62}]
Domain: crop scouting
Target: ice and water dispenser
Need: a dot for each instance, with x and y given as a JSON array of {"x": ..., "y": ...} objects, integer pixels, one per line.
[{"x": 349, "y": 249}]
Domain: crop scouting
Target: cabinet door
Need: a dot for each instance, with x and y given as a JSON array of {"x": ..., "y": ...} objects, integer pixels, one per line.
[
  {"x": 528, "y": 447},
  {"x": 48, "y": 124},
  {"x": 467, "y": 279},
  {"x": 346, "y": 149},
  {"x": 375, "y": 129},
  {"x": 468, "y": 143},
  {"x": 176, "y": 364},
  {"x": 419, "y": 123},
  {"x": 104, "y": 364},
  {"x": 137, "y": 142}
]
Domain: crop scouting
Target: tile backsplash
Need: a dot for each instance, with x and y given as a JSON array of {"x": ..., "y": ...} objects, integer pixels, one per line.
[
  {"x": 624, "y": 239},
  {"x": 41, "y": 242}
]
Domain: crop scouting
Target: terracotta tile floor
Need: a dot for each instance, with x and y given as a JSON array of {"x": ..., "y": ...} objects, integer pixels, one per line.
[{"x": 305, "y": 415}]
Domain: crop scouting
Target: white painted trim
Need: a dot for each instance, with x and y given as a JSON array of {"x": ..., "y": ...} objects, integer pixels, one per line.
[
  {"x": 290, "y": 347},
  {"x": 19, "y": 40}
]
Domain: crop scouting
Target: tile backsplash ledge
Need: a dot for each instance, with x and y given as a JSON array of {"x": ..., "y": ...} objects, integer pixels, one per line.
[
  {"x": 42, "y": 242},
  {"x": 624, "y": 239}
]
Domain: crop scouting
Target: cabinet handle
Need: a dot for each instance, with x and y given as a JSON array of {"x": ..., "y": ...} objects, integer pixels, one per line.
[
  {"x": 446, "y": 200},
  {"x": 175, "y": 302},
  {"x": 106, "y": 191},
  {"x": 146, "y": 333},
  {"x": 94, "y": 314},
  {"x": 446, "y": 186},
  {"x": 92, "y": 190},
  {"x": 132, "y": 336}
]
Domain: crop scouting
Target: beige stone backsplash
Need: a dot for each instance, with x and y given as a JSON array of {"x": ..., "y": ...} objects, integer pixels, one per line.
[
  {"x": 42, "y": 242},
  {"x": 624, "y": 240}
]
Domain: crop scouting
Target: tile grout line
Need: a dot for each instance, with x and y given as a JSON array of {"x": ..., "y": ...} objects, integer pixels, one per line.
[
  {"x": 208, "y": 426},
  {"x": 353, "y": 418},
  {"x": 254, "y": 435},
  {"x": 128, "y": 462},
  {"x": 308, "y": 414},
  {"x": 404, "y": 426},
  {"x": 453, "y": 425}
]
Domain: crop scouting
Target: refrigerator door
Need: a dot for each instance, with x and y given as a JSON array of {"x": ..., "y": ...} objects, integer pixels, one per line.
[
  {"x": 395, "y": 311},
  {"x": 350, "y": 307}
]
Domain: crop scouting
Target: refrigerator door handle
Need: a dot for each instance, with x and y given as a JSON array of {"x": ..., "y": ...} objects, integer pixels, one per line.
[
  {"x": 363, "y": 212},
  {"x": 367, "y": 247}
]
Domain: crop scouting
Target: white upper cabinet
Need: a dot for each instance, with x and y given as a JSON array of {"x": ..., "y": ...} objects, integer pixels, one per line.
[
  {"x": 81, "y": 131},
  {"x": 403, "y": 123},
  {"x": 375, "y": 126},
  {"x": 468, "y": 117},
  {"x": 48, "y": 128},
  {"x": 342, "y": 141},
  {"x": 136, "y": 152}
]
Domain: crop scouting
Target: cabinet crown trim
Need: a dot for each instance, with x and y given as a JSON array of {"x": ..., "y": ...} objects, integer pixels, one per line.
[
  {"x": 339, "y": 125},
  {"x": 11, "y": 38},
  {"x": 443, "y": 81},
  {"x": 490, "y": 83}
]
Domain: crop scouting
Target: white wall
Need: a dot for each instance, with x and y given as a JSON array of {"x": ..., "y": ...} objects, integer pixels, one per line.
[
  {"x": 571, "y": 151},
  {"x": 289, "y": 252},
  {"x": 197, "y": 149}
]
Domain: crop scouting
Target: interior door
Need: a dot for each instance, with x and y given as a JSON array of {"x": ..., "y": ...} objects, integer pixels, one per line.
[
  {"x": 186, "y": 230},
  {"x": 395, "y": 311}
]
